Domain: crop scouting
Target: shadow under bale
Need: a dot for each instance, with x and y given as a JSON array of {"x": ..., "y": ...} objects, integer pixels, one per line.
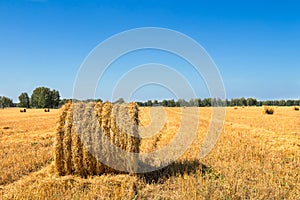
[{"x": 177, "y": 168}]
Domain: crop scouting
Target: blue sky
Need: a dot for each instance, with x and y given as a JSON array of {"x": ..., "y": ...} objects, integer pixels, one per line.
[{"x": 255, "y": 44}]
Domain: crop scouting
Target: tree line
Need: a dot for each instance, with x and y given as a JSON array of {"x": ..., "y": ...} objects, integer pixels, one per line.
[
  {"x": 208, "y": 102},
  {"x": 42, "y": 97}
]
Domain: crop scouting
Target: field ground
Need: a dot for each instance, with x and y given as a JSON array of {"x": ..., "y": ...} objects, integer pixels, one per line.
[{"x": 257, "y": 156}]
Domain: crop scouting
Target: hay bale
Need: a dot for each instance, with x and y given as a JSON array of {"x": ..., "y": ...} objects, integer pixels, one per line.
[
  {"x": 84, "y": 129},
  {"x": 58, "y": 143},
  {"x": 296, "y": 108},
  {"x": 23, "y": 110},
  {"x": 268, "y": 110}
]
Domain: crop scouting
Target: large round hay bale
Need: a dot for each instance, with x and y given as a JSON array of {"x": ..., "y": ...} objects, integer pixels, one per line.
[
  {"x": 268, "y": 110},
  {"x": 83, "y": 130}
]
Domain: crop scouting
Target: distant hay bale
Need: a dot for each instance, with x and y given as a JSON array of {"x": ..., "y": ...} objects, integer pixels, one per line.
[
  {"x": 83, "y": 130},
  {"x": 296, "y": 108},
  {"x": 235, "y": 107},
  {"x": 47, "y": 110},
  {"x": 268, "y": 110},
  {"x": 23, "y": 110}
]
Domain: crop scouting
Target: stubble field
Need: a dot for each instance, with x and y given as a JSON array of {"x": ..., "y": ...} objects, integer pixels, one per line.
[{"x": 257, "y": 157}]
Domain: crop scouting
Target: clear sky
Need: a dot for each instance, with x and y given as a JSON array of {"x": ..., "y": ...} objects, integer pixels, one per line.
[{"x": 255, "y": 44}]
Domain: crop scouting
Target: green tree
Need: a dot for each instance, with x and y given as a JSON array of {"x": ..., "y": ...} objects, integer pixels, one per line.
[
  {"x": 242, "y": 102},
  {"x": 197, "y": 102},
  {"x": 43, "y": 97},
  {"x": 164, "y": 103},
  {"x": 24, "y": 100},
  {"x": 171, "y": 103},
  {"x": 183, "y": 102},
  {"x": 251, "y": 102},
  {"x": 6, "y": 102},
  {"x": 192, "y": 102},
  {"x": 207, "y": 102},
  {"x": 149, "y": 103},
  {"x": 55, "y": 98}
]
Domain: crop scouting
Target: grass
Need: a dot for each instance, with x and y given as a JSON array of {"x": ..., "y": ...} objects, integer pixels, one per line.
[{"x": 256, "y": 157}]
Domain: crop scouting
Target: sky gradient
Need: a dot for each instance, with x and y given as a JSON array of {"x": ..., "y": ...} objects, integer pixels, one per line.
[{"x": 255, "y": 44}]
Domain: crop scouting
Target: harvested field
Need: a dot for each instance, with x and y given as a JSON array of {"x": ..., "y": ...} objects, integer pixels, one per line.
[{"x": 257, "y": 156}]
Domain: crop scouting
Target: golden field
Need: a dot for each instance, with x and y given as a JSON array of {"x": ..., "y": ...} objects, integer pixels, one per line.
[{"x": 257, "y": 157}]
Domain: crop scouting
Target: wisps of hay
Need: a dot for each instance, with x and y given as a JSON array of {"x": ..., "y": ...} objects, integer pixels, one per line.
[
  {"x": 268, "y": 110},
  {"x": 84, "y": 131}
]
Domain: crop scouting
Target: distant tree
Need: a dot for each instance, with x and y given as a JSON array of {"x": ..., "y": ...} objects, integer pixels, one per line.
[
  {"x": 219, "y": 102},
  {"x": 289, "y": 102},
  {"x": 149, "y": 103},
  {"x": 141, "y": 103},
  {"x": 281, "y": 103},
  {"x": 198, "y": 102},
  {"x": 251, "y": 102},
  {"x": 43, "y": 97},
  {"x": 192, "y": 102},
  {"x": 234, "y": 102},
  {"x": 6, "y": 102},
  {"x": 207, "y": 102},
  {"x": 24, "y": 100},
  {"x": 164, "y": 103},
  {"x": 242, "y": 102},
  {"x": 55, "y": 98},
  {"x": 267, "y": 103},
  {"x": 183, "y": 102},
  {"x": 171, "y": 103},
  {"x": 259, "y": 103}
]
